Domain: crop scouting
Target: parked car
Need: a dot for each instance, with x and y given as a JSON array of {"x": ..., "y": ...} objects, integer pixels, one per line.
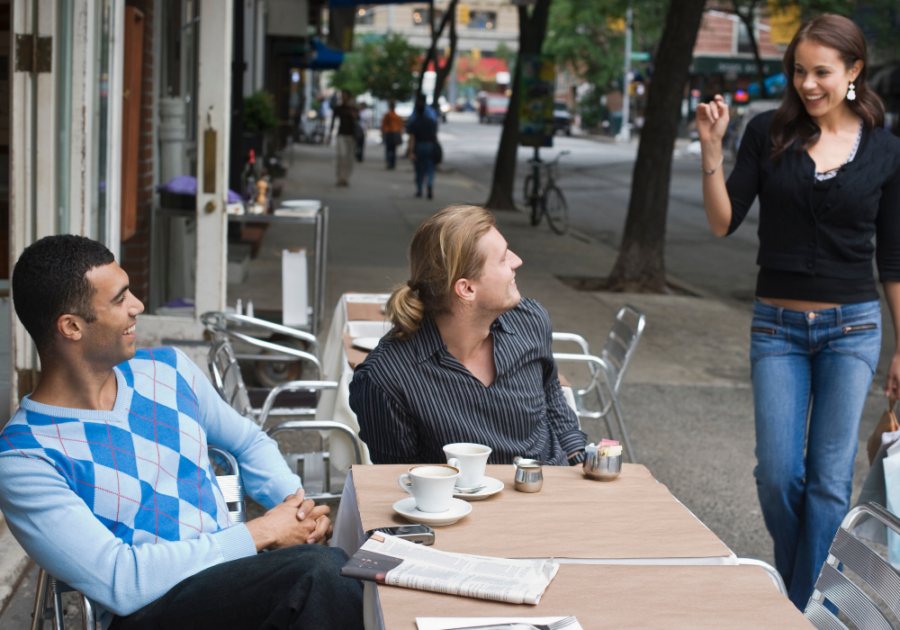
[
  {"x": 495, "y": 107},
  {"x": 562, "y": 118}
]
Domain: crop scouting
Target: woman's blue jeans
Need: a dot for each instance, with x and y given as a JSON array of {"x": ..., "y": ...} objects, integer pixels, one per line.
[
  {"x": 424, "y": 164},
  {"x": 811, "y": 373}
]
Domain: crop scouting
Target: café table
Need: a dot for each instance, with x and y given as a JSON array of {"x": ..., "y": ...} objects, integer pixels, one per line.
[
  {"x": 356, "y": 315},
  {"x": 621, "y": 596},
  {"x": 633, "y": 520}
]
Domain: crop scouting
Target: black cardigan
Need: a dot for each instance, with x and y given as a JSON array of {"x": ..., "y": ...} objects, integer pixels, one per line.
[{"x": 835, "y": 240}]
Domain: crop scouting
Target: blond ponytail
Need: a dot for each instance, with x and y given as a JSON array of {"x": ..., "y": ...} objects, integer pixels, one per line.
[
  {"x": 444, "y": 249},
  {"x": 405, "y": 311}
]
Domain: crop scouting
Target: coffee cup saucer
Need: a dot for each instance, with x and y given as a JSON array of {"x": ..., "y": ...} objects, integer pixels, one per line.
[
  {"x": 492, "y": 487},
  {"x": 408, "y": 510}
]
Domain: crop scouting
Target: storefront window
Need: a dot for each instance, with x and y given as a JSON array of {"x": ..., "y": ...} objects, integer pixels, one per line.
[
  {"x": 483, "y": 19},
  {"x": 365, "y": 17},
  {"x": 101, "y": 141},
  {"x": 743, "y": 39},
  {"x": 64, "y": 113},
  {"x": 421, "y": 17}
]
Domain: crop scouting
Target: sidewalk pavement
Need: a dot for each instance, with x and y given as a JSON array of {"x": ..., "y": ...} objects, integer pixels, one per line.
[{"x": 686, "y": 398}]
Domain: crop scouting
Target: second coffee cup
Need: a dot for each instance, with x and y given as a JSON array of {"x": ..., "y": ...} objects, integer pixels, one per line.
[{"x": 471, "y": 460}]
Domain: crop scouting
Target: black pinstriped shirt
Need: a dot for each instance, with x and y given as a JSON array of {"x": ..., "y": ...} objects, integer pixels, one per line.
[{"x": 412, "y": 397}]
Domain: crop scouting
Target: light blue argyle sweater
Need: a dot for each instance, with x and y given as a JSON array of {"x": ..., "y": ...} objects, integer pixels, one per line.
[{"x": 122, "y": 504}]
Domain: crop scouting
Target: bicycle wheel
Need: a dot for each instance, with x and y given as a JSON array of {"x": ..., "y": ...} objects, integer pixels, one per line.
[
  {"x": 556, "y": 209},
  {"x": 526, "y": 188}
]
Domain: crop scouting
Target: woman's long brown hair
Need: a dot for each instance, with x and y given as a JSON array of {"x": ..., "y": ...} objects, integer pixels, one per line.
[{"x": 791, "y": 121}]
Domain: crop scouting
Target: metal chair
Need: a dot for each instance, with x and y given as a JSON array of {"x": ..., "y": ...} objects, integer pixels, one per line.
[
  {"x": 869, "y": 566},
  {"x": 49, "y": 587},
  {"x": 228, "y": 381},
  {"x": 251, "y": 331},
  {"x": 607, "y": 370}
]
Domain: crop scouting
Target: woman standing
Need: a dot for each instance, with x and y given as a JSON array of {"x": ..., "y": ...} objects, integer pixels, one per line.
[{"x": 828, "y": 179}]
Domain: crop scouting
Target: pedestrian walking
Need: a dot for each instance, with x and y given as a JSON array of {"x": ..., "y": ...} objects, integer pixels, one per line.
[
  {"x": 391, "y": 134},
  {"x": 365, "y": 121},
  {"x": 422, "y": 141},
  {"x": 348, "y": 116},
  {"x": 828, "y": 179}
]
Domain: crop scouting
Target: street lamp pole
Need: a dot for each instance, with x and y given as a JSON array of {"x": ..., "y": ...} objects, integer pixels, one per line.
[{"x": 624, "y": 134}]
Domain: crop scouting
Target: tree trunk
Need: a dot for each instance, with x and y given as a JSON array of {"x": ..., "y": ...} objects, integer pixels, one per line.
[
  {"x": 747, "y": 19},
  {"x": 640, "y": 265},
  {"x": 443, "y": 73},
  {"x": 432, "y": 50},
  {"x": 532, "y": 30}
]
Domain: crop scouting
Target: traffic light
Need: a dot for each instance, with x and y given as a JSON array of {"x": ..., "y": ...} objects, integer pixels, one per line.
[{"x": 462, "y": 14}]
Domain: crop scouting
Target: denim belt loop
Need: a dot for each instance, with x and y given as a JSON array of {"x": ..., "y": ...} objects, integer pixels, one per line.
[
  {"x": 778, "y": 316},
  {"x": 837, "y": 310}
]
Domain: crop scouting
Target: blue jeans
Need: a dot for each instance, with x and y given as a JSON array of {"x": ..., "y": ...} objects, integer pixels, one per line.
[
  {"x": 424, "y": 164},
  {"x": 814, "y": 366}
]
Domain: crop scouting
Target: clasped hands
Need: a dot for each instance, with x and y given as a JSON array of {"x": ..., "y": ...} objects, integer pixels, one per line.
[{"x": 296, "y": 521}]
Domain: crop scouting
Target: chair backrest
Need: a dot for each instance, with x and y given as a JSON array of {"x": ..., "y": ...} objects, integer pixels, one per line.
[
  {"x": 217, "y": 324},
  {"x": 227, "y": 378},
  {"x": 231, "y": 485},
  {"x": 869, "y": 566},
  {"x": 620, "y": 345}
]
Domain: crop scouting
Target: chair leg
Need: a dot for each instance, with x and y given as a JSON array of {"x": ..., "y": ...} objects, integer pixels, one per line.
[
  {"x": 624, "y": 431},
  {"x": 58, "y": 609},
  {"x": 613, "y": 433},
  {"x": 88, "y": 616},
  {"x": 38, "y": 615}
]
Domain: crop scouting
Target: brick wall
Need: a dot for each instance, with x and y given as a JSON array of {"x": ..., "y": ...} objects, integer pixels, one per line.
[
  {"x": 136, "y": 250},
  {"x": 716, "y": 37}
]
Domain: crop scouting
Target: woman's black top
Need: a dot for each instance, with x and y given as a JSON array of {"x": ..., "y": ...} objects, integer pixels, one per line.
[{"x": 815, "y": 237}]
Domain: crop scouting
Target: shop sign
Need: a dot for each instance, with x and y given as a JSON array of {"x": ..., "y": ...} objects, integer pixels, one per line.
[{"x": 736, "y": 65}]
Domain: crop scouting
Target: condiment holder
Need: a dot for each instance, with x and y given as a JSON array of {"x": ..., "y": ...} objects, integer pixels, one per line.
[
  {"x": 529, "y": 474},
  {"x": 601, "y": 467}
]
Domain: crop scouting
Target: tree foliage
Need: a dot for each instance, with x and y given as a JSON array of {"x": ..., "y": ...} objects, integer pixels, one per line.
[
  {"x": 587, "y": 37},
  {"x": 386, "y": 67}
]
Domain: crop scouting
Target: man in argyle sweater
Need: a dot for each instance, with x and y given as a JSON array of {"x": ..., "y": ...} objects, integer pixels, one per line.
[{"x": 105, "y": 478}]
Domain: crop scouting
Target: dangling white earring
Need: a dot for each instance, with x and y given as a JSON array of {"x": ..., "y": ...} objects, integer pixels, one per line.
[{"x": 851, "y": 93}]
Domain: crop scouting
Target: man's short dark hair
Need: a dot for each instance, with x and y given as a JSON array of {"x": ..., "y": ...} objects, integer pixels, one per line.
[{"x": 49, "y": 281}]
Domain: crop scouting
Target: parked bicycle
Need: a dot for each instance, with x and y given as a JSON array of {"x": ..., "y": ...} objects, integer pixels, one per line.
[{"x": 543, "y": 195}]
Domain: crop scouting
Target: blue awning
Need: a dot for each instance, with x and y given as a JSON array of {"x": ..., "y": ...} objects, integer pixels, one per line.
[{"x": 326, "y": 58}]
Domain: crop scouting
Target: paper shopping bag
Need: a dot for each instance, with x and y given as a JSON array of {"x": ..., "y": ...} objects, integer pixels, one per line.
[{"x": 887, "y": 423}]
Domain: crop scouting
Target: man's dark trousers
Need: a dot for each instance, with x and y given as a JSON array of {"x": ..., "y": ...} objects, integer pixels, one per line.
[{"x": 297, "y": 588}]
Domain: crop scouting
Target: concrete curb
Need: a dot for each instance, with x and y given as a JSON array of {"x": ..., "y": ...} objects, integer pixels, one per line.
[{"x": 13, "y": 563}]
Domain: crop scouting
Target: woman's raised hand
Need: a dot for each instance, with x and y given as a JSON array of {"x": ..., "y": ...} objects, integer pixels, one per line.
[{"x": 712, "y": 120}]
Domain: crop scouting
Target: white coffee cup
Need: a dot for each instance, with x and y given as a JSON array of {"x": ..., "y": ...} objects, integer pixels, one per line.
[
  {"x": 470, "y": 459},
  {"x": 431, "y": 485}
]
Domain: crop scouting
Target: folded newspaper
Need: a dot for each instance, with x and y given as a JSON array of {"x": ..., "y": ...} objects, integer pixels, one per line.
[{"x": 397, "y": 562}]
